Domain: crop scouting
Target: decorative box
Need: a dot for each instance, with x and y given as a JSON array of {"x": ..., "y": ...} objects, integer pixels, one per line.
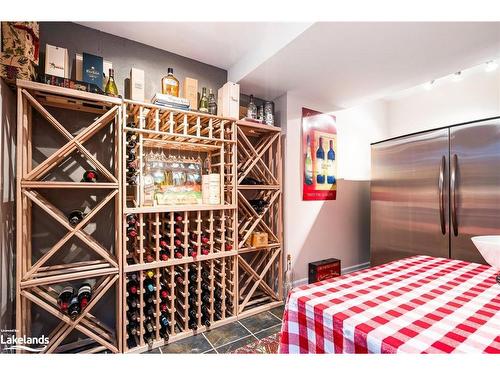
[
  {"x": 16, "y": 67},
  {"x": 137, "y": 84},
  {"x": 92, "y": 69},
  {"x": 21, "y": 39},
  {"x": 259, "y": 239},
  {"x": 229, "y": 100},
  {"x": 324, "y": 269},
  {"x": 106, "y": 65},
  {"x": 210, "y": 188},
  {"x": 191, "y": 92},
  {"x": 56, "y": 61}
]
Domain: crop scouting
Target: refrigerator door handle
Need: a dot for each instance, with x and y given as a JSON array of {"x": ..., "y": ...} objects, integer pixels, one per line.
[
  {"x": 453, "y": 183},
  {"x": 441, "y": 194}
]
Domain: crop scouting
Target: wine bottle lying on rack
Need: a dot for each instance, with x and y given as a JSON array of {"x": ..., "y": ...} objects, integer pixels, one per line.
[
  {"x": 75, "y": 217},
  {"x": 90, "y": 176}
]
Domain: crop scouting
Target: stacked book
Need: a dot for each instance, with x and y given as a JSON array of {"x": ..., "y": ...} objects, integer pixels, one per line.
[{"x": 170, "y": 101}]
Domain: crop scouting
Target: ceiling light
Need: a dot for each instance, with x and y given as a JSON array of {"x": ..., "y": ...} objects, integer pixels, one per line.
[
  {"x": 457, "y": 77},
  {"x": 429, "y": 85},
  {"x": 491, "y": 66}
]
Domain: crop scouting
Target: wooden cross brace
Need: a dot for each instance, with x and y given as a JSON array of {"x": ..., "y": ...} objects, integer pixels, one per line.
[
  {"x": 77, "y": 231},
  {"x": 85, "y": 322},
  {"x": 73, "y": 142}
]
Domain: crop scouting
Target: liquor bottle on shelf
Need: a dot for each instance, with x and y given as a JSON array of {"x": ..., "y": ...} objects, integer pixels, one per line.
[
  {"x": 203, "y": 105},
  {"x": 252, "y": 109},
  {"x": 330, "y": 156},
  {"x": 74, "y": 308},
  {"x": 75, "y": 217},
  {"x": 170, "y": 84},
  {"x": 90, "y": 176},
  {"x": 308, "y": 164},
  {"x": 111, "y": 88},
  {"x": 212, "y": 103},
  {"x": 320, "y": 160},
  {"x": 65, "y": 297},
  {"x": 84, "y": 295}
]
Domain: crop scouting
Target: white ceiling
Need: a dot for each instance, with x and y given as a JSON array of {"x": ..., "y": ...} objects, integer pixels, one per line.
[
  {"x": 220, "y": 44},
  {"x": 339, "y": 63}
]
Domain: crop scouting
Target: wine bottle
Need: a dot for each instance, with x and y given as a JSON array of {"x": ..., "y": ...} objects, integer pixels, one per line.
[
  {"x": 212, "y": 103},
  {"x": 149, "y": 310},
  {"x": 111, "y": 88},
  {"x": 133, "y": 315},
  {"x": 320, "y": 160},
  {"x": 132, "y": 329},
  {"x": 148, "y": 325},
  {"x": 203, "y": 106},
  {"x": 205, "y": 286},
  {"x": 84, "y": 295},
  {"x": 308, "y": 164},
  {"x": 228, "y": 247},
  {"x": 65, "y": 297},
  {"x": 192, "y": 324},
  {"x": 131, "y": 342},
  {"x": 179, "y": 280},
  {"x": 132, "y": 287},
  {"x": 131, "y": 220},
  {"x": 192, "y": 314},
  {"x": 205, "y": 310},
  {"x": 177, "y": 229},
  {"x": 149, "y": 338},
  {"x": 163, "y": 255},
  {"x": 164, "y": 322},
  {"x": 90, "y": 176},
  {"x": 131, "y": 232},
  {"x": 330, "y": 156},
  {"x": 178, "y": 218},
  {"x": 149, "y": 286},
  {"x": 149, "y": 298},
  {"x": 205, "y": 250},
  {"x": 164, "y": 292},
  {"x": 163, "y": 307},
  {"x": 192, "y": 289},
  {"x": 205, "y": 320},
  {"x": 74, "y": 308},
  {"x": 75, "y": 217},
  {"x": 192, "y": 252},
  {"x": 193, "y": 300},
  {"x": 164, "y": 334},
  {"x": 132, "y": 302},
  {"x": 193, "y": 277},
  {"x": 252, "y": 109},
  {"x": 178, "y": 253}
]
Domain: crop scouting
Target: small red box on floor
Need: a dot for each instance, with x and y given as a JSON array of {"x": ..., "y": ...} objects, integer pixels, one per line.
[{"x": 324, "y": 269}]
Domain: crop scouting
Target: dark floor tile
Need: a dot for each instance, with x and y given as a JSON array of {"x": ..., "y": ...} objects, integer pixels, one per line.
[
  {"x": 225, "y": 334},
  {"x": 278, "y": 311},
  {"x": 260, "y": 321},
  {"x": 193, "y": 344},
  {"x": 228, "y": 348},
  {"x": 268, "y": 332},
  {"x": 154, "y": 351}
]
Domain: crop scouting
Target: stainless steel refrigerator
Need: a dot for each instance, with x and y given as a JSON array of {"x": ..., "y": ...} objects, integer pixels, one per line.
[{"x": 432, "y": 191}]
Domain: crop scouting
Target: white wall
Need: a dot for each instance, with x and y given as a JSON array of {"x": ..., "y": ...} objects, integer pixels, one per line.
[
  {"x": 315, "y": 230},
  {"x": 475, "y": 97}
]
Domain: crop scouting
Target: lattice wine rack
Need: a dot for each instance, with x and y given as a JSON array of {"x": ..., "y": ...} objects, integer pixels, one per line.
[
  {"x": 51, "y": 149},
  {"x": 260, "y": 273},
  {"x": 180, "y": 271}
]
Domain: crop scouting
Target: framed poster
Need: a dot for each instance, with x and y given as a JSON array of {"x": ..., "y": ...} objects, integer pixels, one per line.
[{"x": 319, "y": 150}]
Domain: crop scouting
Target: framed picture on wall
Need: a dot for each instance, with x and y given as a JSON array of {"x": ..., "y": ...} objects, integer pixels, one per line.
[{"x": 319, "y": 150}]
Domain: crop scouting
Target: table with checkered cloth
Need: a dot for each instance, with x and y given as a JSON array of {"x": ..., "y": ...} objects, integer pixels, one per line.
[{"x": 419, "y": 304}]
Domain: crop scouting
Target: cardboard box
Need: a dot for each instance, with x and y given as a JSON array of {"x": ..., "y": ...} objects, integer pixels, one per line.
[
  {"x": 21, "y": 39},
  {"x": 191, "y": 92},
  {"x": 56, "y": 61},
  {"x": 137, "y": 84},
  {"x": 106, "y": 65},
  {"x": 259, "y": 239},
  {"x": 16, "y": 67},
  {"x": 324, "y": 269},
  {"x": 229, "y": 100}
]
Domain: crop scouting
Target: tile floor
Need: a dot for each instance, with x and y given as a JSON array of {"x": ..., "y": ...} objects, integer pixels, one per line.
[{"x": 229, "y": 337}]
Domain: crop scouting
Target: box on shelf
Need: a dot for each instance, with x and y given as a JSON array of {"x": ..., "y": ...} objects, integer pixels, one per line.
[
  {"x": 16, "y": 67},
  {"x": 210, "y": 188},
  {"x": 228, "y": 102},
  {"x": 137, "y": 84},
  {"x": 170, "y": 101},
  {"x": 258, "y": 239},
  {"x": 324, "y": 269},
  {"x": 106, "y": 65},
  {"x": 56, "y": 61},
  {"x": 191, "y": 92},
  {"x": 93, "y": 68},
  {"x": 70, "y": 84},
  {"x": 21, "y": 39}
]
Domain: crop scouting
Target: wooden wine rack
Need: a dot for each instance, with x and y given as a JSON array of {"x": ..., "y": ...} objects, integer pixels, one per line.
[
  {"x": 240, "y": 279},
  {"x": 38, "y": 275},
  {"x": 260, "y": 272}
]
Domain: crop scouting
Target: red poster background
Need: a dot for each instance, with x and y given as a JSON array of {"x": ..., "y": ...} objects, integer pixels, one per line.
[{"x": 314, "y": 123}]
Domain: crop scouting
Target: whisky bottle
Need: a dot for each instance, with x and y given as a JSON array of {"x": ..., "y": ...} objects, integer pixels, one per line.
[
  {"x": 252, "y": 109},
  {"x": 170, "y": 84},
  {"x": 111, "y": 88},
  {"x": 203, "y": 105},
  {"x": 89, "y": 176},
  {"x": 212, "y": 103}
]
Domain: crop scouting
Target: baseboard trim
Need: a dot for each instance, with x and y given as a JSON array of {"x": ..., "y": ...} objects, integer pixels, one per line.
[{"x": 345, "y": 270}]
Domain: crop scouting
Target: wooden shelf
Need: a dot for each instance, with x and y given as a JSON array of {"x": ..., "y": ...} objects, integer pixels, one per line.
[
  {"x": 179, "y": 208},
  {"x": 67, "y": 185},
  {"x": 255, "y": 129},
  {"x": 259, "y": 187}
]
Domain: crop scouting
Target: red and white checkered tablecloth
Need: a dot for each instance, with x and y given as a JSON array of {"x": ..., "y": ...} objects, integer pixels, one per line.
[{"x": 414, "y": 305}]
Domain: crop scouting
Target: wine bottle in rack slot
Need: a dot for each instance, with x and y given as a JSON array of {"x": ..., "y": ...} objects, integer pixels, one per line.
[
  {"x": 149, "y": 256},
  {"x": 132, "y": 302},
  {"x": 149, "y": 310},
  {"x": 164, "y": 333},
  {"x": 178, "y": 252},
  {"x": 149, "y": 338},
  {"x": 177, "y": 229},
  {"x": 193, "y": 300},
  {"x": 192, "y": 252},
  {"x": 133, "y": 316},
  {"x": 131, "y": 139},
  {"x": 149, "y": 298},
  {"x": 192, "y": 324},
  {"x": 133, "y": 329},
  {"x": 132, "y": 220},
  {"x": 178, "y": 218},
  {"x": 131, "y": 342},
  {"x": 148, "y": 325},
  {"x": 163, "y": 307},
  {"x": 149, "y": 285},
  {"x": 90, "y": 176},
  {"x": 164, "y": 291},
  {"x": 64, "y": 298},
  {"x": 205, "y": 320},
  {"x": 133, "y": 285},
  {"x": 179, "y": 279},
  {"x": 84, "y": 295},
  {"x": 132, "y": 232},
  {"x": 75, "y": 217},
  {"x": 74, "y": 308},
  {"x": 163, "y": 255}
]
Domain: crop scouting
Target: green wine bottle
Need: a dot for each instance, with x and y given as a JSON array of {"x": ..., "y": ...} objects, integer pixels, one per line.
[
  {"x": 203, "y": 106},
  {"x": 111, "y": 88}
]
